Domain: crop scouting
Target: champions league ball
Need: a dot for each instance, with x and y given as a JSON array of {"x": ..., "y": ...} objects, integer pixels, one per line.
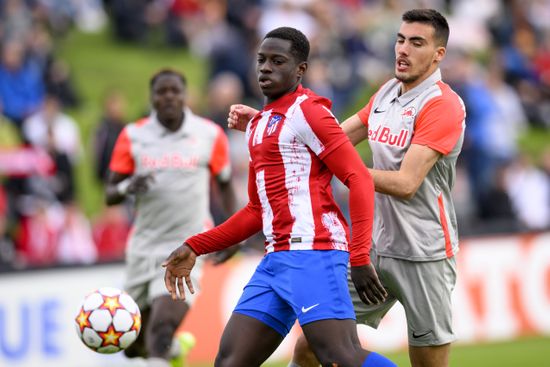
[{"x": 108, "y": 320}]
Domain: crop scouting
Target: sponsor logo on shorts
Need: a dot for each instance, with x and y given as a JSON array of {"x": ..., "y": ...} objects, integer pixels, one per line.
[
  {"x": 420, "y": 335},
  {"x": 306, "y": 309}
]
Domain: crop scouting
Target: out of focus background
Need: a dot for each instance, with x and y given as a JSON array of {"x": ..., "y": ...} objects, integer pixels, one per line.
[{"x": 74, "y": 72}]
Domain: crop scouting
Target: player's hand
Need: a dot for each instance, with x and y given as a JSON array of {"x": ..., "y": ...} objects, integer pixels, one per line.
[
  {"x": 178, "y": 268},
  {"x": 140, "y": 184},
  {"x": 367, "y": 284},
  {"x": 219, "y": 257},
  {"x": 239, "y": 116}
]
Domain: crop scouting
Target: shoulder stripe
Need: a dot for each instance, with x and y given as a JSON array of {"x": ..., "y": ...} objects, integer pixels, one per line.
[
  {"x": 142, "y": 121},
  {"x": 121, "y": 159}
]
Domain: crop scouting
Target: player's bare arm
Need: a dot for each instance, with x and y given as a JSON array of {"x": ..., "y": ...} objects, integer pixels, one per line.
[
  {"x": 119, "y": 185},
  {"x": 178, "y": 268},
  {"x": 404, "y": 183},
  {"x": 355, "y": 129}
]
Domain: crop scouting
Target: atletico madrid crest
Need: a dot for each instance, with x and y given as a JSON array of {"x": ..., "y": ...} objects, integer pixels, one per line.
[{"x": 272, "y": 123}]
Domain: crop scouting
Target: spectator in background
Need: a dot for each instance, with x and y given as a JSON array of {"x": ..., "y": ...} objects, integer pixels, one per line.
[
  {"x": 15, "y": 20},
  {"x": 528, "y": 188},
  {"x": 53, "y": 129},
  {"x": 59, "y": 135},
  {"x": 54, "y": 230},
  {"x": 224, "y": 90},
  {"x": 223, "y": 44},
  {"x": 110, "y": 233},
  {"x": 59, "y": 82},
  {"x": 178, "y": 14},
  {"x": 75, "y": 244},
  {"x": 509, "y": 121},
  {"x": 496, "y": 210},
  {"x": 40, "y": 225},
  {"x": 467, "y": 78},
  {"x": 40, "y": 45},
  {"x": 129, "y": 20},
  {"x": 21, "y": 83},
  {"x": 112, "y": 225},
  {"x": 112, "y": 123}
]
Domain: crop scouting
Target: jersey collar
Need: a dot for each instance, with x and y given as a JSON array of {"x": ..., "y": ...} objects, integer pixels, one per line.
[
  {"x": 282, "y": 104},
  {"x": 185, "y": 128},
  {"x": 285, "y": 100}
]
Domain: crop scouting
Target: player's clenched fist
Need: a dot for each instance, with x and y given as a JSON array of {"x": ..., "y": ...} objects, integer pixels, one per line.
[
  {"x": 239, "y": 116},
  {"x": 178, "y": 267}
]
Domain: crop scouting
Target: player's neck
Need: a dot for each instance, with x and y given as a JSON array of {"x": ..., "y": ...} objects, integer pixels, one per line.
[{"x": 173, "y": 124}]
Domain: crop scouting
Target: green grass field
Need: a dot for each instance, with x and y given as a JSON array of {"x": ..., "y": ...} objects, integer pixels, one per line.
[{"x": 527, "y": 352}]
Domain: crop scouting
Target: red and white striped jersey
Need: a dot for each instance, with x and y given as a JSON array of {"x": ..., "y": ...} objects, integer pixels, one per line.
[
  {"x": 287, "y": 141},
  {"x": 296, "y": 146}
]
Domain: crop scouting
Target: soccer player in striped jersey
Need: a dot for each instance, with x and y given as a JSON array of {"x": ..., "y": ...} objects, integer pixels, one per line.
[
  {"x": 415, "y": 128},
  {"x": 295, "y": 146}
]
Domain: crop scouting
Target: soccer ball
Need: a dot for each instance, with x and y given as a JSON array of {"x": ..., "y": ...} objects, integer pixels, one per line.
[{"x": 108, "y": 320}]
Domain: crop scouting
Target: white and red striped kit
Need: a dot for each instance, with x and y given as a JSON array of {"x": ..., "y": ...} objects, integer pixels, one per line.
[{"x": 290, "y": 142}]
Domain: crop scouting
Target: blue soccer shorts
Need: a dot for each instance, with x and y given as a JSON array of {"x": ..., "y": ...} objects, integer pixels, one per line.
[{"x": 308, "y": 285}]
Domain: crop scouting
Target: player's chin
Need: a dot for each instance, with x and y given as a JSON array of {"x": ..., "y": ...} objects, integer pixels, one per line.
[
  {"x": 169, "y": 114},
  {"x": 267, "y": 90},
  {"x": 399, "y": 75}
]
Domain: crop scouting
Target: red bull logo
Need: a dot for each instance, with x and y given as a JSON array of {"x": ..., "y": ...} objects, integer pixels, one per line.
[
  {"x": 384, "y": 135},
  {"x": 169, "y": 161},
  {"x": 408, "y": 114}
]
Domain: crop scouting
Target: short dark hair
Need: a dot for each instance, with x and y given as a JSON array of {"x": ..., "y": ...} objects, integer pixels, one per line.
[
  {"x": 164, "y": 72},
  {"x": 433, "y": 18},
  {"x": 299, "y": 43}
]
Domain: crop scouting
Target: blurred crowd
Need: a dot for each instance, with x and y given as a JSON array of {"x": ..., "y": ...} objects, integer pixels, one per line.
[{"x": 498, "y": 60}]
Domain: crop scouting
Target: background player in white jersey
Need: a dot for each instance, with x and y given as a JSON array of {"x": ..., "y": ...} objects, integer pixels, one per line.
[
  {"x": 415, "y": 127},
  {"x": 166, "y": 160},
  {"x": 295, "y": 146}
]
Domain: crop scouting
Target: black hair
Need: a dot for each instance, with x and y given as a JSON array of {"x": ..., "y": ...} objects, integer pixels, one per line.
[
  {"x": 433, "y": 18},
  {"x": 299, "y": 43},
  {"x": 165, "y": 72}
]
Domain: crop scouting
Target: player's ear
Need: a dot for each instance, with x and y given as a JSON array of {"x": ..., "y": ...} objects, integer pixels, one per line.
[
  {"x": 440, "y": 54},
  {"x": 302, "y": 68}
]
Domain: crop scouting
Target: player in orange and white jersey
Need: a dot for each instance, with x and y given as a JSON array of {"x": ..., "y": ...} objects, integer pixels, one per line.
[{"x": 166, "y": 160}]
